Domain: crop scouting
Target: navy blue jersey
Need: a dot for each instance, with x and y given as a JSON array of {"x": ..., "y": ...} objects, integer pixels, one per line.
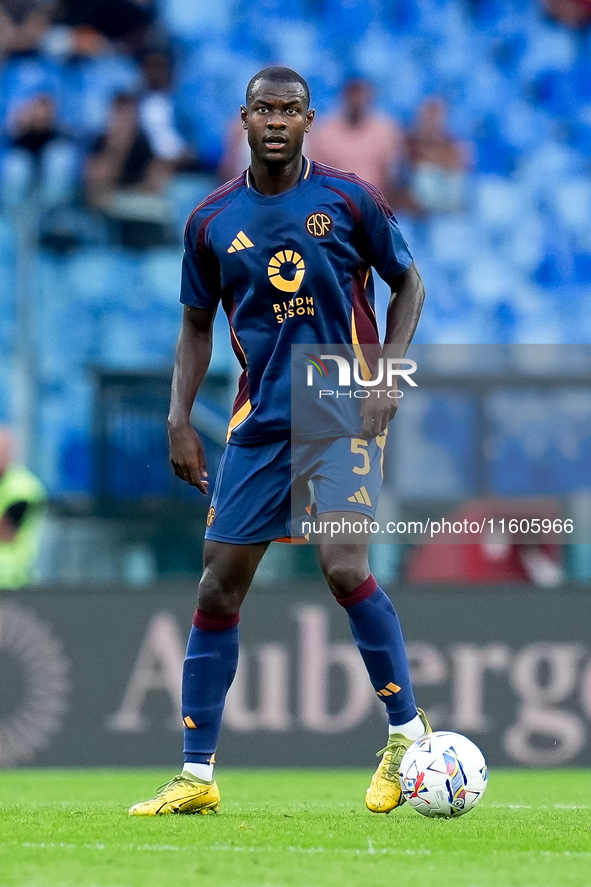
[{"x": 292, "y": 268}]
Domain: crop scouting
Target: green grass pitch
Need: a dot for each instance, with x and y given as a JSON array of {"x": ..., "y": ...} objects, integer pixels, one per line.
[{"x": 278, "y": 828}]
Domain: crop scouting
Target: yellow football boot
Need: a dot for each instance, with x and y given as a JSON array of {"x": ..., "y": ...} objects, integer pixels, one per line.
[
  {"x": 183, "y": 794},
  {"x": 384, "y": 793}
]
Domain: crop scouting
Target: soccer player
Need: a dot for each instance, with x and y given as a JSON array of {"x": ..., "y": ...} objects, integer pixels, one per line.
[
  {"x": 286, "y": 234},
  {"x": 22, "y": 506}
]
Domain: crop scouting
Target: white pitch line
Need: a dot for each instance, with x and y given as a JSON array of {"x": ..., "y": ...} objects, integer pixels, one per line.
[
  {"x": 510, "y": 806},
  {"x": 219, "y": 848},
  {"x": 231, "y": 848},
  {"x": 584, "y": 853},
  {"x": 539, "y": 806},
  {"x": 572, "y": 806}
]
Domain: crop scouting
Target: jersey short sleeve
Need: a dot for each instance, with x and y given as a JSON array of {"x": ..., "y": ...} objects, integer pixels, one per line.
[
  {"x": 200, "y": 275},
  {"x": 386, "y": 248}
]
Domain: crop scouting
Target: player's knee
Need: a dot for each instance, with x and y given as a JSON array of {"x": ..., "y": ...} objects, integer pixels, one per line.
[
  {"x": 218, "y": 597},
  {"x": 344, "y": 578}
]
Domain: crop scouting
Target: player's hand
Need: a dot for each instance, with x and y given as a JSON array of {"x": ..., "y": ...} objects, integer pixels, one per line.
[
  {"x": 187, "y": 456},
  {"x": 375, "y": 414}
]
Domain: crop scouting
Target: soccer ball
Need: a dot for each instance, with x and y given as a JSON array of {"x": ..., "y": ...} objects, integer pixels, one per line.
[{"x": 443, "y": 774}]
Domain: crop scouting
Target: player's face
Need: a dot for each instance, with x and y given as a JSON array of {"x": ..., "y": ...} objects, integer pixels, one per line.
[{"x": 276, "y": 119}]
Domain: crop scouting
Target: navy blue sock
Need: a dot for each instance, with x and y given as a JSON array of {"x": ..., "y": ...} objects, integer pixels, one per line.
[
  {"x": 208, "y": 671},
  {"x": 377, "y": 633}
]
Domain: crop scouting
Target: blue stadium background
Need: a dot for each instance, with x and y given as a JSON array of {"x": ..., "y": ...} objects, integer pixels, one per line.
[{"x": 513, "y": 267}]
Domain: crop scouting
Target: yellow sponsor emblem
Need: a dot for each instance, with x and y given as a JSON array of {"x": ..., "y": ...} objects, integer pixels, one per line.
[
  {"x": 286, "y": 262},
  {"x": 210, "y": 516}
]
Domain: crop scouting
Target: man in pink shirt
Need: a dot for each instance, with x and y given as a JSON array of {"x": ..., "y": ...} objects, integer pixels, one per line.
[{"x": 360, "y": 139}]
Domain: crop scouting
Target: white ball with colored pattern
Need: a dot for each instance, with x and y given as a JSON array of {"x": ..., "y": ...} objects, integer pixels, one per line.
[{"x": 443, "y": 774}]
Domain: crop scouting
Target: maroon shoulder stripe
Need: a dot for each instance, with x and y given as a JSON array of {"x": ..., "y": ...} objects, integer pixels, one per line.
[
  {"x": 226, "y": 187},
  {"x": 375, "y": 193},
  {"x": 353, "y": 208},
  {"x": 218, "y": 194},
  {"x": 200, "y": 239},
  {"x": 213, "y": 198}
]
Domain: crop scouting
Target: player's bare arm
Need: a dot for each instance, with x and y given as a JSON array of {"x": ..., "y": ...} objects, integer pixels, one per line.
[
  {"x": 193, "y": 354},
  {"x": 404, "y": 310}
]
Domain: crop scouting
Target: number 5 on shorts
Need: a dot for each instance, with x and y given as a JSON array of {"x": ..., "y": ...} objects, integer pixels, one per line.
[{"x": 359, "y": 448}]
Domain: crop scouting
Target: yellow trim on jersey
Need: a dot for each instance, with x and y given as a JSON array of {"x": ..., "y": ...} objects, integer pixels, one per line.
[
  {"x": 238, "y": 417},
  {"x": 366, "y": 281},
  {"x": 365, "y": 370},
  {"x": 381, "y": 442},
  {"x": 306, "y": 174},
  {"x": 238, "y": 343}
]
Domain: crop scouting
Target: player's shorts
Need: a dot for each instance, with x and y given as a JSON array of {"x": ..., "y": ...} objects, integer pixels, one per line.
[{"x": 261, "y": 492}]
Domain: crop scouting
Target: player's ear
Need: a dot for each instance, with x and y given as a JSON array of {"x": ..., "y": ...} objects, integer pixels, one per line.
[
  {"x": 310, "y": 114},
  {"x": 243, "y": 116}
]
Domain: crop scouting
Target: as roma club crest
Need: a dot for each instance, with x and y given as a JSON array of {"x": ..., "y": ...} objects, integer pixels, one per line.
[{"x": 319, "y": 224}]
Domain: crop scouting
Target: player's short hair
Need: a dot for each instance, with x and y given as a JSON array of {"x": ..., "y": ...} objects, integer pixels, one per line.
[{"x": 277, "y": 74}]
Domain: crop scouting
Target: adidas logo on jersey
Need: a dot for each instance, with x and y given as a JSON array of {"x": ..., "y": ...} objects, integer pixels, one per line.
[
  {"x": 241, "y": 241},
  {"x": 361, "y": 496}
]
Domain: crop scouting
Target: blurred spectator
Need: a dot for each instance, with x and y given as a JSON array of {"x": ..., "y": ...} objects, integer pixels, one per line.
[
  {"x": 91, "y": 73},
  {"x": 38, "y": 155},
  {"x": 503, "y": 558},
  {"x": 122, "y": 21},
  {"x": 438, "y": 161},
  {"x": 359, "y": 139},
  {"x": 22, "y": 501},
  {"x": 125, "y": 180},
  {"x": 23, "y": 24},
  {"x": 157, "y": 113},
  {"x": 236, "y": 155},
  {"x": 85, "y": 42},
  {"x": 574, "y": 13}
]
